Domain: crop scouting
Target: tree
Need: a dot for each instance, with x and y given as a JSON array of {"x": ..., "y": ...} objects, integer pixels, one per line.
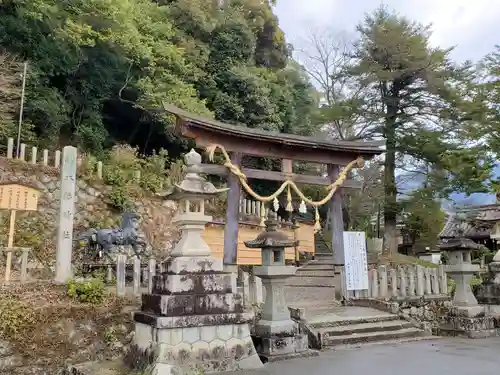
[
  {"x": 327, "y": 58},
  {"x": 415, "y": 98},
  {"x": 361, "y": 206},
  {"x": 487, "y": 93},
  {"x": 100, "y": 70},
  {"x": 422, "y": 219},
  {"x": 10, "y": 94}
]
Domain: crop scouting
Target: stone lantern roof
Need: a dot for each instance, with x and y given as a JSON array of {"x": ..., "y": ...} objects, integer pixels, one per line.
[
  {"x": 271, "y": 237},
  {"x": 460, "y": 243},
  {"x": 193, "y": 185}
]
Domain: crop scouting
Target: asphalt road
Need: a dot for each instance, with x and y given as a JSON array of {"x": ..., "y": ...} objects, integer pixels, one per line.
[{"x": 454, "y": 356}]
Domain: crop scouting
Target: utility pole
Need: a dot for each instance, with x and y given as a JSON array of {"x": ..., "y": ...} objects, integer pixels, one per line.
[{"x": 18, "y": 149}]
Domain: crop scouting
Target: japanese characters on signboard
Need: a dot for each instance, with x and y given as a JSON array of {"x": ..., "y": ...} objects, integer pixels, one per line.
[
  {"x": 18, "y": 197},
  {"x": 356, "y": 264}
]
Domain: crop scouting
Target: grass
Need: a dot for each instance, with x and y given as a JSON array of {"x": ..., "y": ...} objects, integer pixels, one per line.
[{"x": 402, "y": 260}]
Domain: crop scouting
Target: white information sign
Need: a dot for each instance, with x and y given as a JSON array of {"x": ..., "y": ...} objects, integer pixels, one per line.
[{"x": 356, "y": 265}]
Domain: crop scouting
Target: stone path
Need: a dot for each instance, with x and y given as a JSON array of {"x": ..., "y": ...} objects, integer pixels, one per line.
[{"x": 437, "y": 357}]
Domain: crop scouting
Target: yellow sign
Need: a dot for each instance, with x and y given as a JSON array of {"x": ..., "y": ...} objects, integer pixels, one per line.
[{"x": 18, "y": 197}]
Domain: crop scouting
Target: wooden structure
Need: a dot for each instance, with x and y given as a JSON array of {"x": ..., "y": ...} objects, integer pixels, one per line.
[
  {"x": 477, "y": 223},
  {"x": 239, "y": 141},
  {"x": 16, "y": 197}
]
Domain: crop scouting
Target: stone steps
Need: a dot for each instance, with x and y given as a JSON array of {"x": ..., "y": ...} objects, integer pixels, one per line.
[
  {"x": 317, "y": 281},
  {"x": 360, "y": 330},
  {"x": 316, "y": 266},
  {"x": 304, "y": 296},
  {"x": 358, "y": 320},
  {"x": 355, "y": 329},
  {"x": 314, "y": 273}
]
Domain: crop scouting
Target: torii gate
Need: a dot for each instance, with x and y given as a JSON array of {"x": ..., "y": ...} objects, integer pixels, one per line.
[{"x": 239, "y": 141}]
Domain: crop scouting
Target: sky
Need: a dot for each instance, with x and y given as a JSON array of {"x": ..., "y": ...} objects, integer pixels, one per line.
[{"x": 470, "y": 25}]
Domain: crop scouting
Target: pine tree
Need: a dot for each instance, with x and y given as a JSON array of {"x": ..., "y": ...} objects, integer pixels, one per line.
[{"x": 414, "y": 96}]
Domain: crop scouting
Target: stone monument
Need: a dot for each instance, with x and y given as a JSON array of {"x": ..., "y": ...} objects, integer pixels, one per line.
[
  {"x": 193, "y": 318},
  {"x": 466, "y": 316},
  {"x": 277, "y": 335},
  {"x": 66, "y": 215}
]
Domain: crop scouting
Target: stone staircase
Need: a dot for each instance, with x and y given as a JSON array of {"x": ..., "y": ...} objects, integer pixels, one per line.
[
  {"x": 353, "y": 331},
  {"x": 313, "y": 285},
  {"x": 330, "y": 325}
]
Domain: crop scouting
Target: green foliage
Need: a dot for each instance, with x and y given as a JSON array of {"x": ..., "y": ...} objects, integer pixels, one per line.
[
  {"x": 125, "y": 171},
  {"x": 16, "y": 317},
  {"x": 91, "y": 291},
  {"x": 100, "y": 70},
  {"x": 423, "y": 219},
  {"x": 110, "y": 336},
  {"x": 415, "y": 97}
]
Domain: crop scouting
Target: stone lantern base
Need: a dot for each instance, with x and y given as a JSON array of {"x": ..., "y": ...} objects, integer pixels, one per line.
[
  {"x": 193, "y": 321},
  {"x": 291, "y": 344},
  {"x": 472, "y": 322},
  {"x": 276, "y": 335}
]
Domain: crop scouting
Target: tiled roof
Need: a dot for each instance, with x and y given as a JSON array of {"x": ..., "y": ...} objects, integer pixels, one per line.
[{"x": 475, "y": 222}]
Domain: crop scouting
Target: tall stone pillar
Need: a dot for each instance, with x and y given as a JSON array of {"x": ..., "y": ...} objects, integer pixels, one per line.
[{"x": 193, "y": 320}]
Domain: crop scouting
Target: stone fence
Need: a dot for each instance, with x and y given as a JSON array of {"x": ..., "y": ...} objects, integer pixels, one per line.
[
  {"x": 405, "y": 283},
  {"x": 142, "y": 275}
]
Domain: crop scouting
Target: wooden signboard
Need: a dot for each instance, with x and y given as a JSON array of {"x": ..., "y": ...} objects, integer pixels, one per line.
[{"x": 16, "y": 197}]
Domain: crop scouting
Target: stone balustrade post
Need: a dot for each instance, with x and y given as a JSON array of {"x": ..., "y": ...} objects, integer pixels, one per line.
[
  {"x": 411, "y": 281},
  {"x": 393, "y": 277},
  {"x": 383, "y": 290},
  {"x": 403, "y": 282},
  {"x": 434, "y": 281},
  {"x": 137, "y": 276},
  {"x": 420, "y": 281},
  {"x": 428, "y": 285},
  {"x": 443, "y": 281},
  {"x": 121, "y": 263},
  {"x": 374, "y": 283}
]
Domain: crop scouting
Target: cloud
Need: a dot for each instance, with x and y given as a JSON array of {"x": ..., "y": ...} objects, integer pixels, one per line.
[{"x": 472, "y": 26}]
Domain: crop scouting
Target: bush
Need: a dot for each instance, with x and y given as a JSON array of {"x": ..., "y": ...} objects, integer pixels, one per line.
[
  {"x": 91, "y": 291},
  {"x": 119, "y": 172},
  {"x": 15, "y": 317}
]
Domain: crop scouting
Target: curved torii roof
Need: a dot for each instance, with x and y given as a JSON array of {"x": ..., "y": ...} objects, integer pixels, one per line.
[{"x": 258, "y": 142}]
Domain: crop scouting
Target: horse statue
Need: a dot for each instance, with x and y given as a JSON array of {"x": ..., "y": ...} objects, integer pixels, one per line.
[{"x": 101, "y": 241}]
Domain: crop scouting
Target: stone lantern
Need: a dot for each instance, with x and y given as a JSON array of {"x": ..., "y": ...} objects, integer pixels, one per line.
[
  {"x": 461, "y": 270},
  {"x": 191, "y": 194},
  {"x": 466, "y": 316},
  {"x": 193, "y": 320},
  {"x": 277, "y": 334}
]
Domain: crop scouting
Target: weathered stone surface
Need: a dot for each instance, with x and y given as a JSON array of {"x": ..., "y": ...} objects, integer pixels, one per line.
[
  {"x": 157, "y": 321},
  {"x": 216, "y": 282},
  {"x": 478, "y": 327},
  {"x": 190, "y": 265},
  {"x": 208, "y": 348},
  {"x": 182, "y": 305}
]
